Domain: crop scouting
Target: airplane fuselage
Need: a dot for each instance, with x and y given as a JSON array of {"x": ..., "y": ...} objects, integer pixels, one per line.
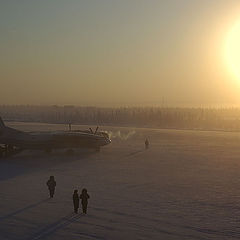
[{"x": 52, "y": 140}]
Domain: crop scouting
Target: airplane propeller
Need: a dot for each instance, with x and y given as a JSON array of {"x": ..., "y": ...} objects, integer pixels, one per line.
[{"x": 95, "y": 130}]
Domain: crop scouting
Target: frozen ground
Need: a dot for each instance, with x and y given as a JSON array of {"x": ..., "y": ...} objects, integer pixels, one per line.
[{"x": 186, "y": 186}]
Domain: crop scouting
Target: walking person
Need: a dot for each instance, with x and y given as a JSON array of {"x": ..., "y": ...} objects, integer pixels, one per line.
[
  {"x": 51, "y": 183},
  {"x": 84, "y": 196},
  {"x": 146, "y": 144},
  {"x": 75, "y": 201}
]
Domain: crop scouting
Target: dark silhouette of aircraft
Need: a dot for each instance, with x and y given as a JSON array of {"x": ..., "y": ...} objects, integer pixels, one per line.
[{"x": 13, "y": 141}]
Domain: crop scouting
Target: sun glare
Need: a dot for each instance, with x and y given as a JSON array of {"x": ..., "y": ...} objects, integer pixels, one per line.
[{"x": 232, "y": 50}]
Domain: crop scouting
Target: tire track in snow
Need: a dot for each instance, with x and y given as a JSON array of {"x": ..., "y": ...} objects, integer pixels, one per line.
[
  {"x": 9, "y": 215},
  {"x": 54, "y": 227},
  {"x": 60, "y": 224},
  {"x": 207, "y": 231}
]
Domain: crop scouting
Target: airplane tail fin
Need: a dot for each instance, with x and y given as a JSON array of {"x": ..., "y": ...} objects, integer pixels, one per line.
[{"x": 2, "y": 125}]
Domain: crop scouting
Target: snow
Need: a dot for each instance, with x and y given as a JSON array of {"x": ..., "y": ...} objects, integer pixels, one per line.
[{"x": 186, "y": 186}]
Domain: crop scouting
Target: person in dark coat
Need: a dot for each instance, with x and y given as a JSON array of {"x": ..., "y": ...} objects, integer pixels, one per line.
[
  {"x": 84, "y": 196},
  {"x": 146, "y": 144},
  {"x": 51, "y": 183},
  {"x": 75, "y": 201}
]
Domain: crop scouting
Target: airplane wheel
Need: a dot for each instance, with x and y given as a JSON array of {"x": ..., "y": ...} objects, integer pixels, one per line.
[{"x": 1, "y": 153}]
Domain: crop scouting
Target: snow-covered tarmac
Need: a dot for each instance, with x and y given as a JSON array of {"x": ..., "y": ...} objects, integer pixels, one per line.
[{"x": 186, "y": 186}]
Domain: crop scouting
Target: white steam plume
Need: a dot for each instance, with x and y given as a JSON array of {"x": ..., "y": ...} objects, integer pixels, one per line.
[{"x": 120, "y": 135}]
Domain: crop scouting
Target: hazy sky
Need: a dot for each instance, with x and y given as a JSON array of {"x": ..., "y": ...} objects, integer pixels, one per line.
[{"x": 109, "y": 52}]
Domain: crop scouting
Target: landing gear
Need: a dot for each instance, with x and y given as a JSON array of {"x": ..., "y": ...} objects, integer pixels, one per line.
[
  {"x": 9, "y": 150},
  {"x": 1, "y": 152}
]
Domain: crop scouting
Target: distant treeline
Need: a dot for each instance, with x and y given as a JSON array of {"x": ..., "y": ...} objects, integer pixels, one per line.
[{"x": 158, "y": 117}]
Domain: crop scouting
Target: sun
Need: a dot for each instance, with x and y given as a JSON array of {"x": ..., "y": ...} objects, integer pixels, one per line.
[{"x": 232, "y": 50}]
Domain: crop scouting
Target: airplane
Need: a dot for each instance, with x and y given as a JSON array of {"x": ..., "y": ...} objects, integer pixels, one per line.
[{"x": 13, "y": 141}]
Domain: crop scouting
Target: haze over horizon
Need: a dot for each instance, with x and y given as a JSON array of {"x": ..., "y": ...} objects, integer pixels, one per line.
[{"x": 111, "y": 53}]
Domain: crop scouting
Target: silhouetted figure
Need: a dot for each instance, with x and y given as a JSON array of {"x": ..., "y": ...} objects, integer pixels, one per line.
[
  {"x": 75, "y": 201},
  {"x": 146, "y": 144},
  {"x": 51, "y": 183},
  {"x": 84, "y": 196}
]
